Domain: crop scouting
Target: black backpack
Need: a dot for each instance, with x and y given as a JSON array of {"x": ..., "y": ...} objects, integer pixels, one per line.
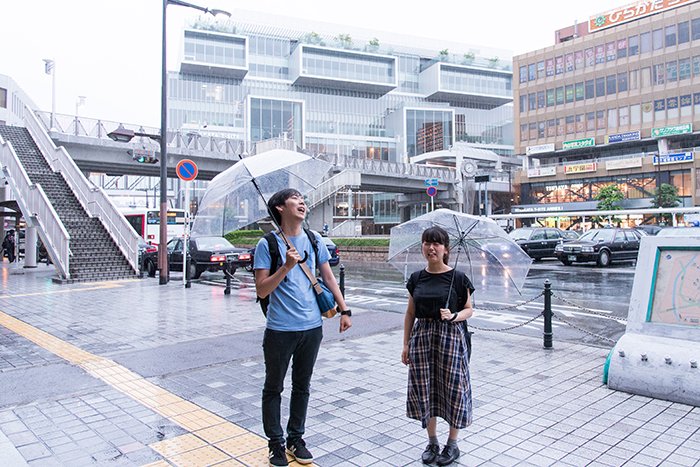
[{"x": 276, "y": 260}]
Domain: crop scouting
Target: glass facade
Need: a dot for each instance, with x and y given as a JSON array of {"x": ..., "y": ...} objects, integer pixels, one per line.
[
  {"x": 342, "y": 65},
  {"x": 214, "y": 48},
  {"x": 428, "y": 130},
  {"x": 275, "y": 118},
  {"x": 474, "y": 82}
]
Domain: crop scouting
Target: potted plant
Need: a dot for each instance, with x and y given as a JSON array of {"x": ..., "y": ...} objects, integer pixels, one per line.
[
  {"x": 493, "y": 62},
  {"x": 468, "y": 58},
  {"x": 444, "y": 53},
  {"x": 373, "y": 45}
]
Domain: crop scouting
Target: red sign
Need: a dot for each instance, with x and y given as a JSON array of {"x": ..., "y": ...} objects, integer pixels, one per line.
[
  {"x": 186, "y": 170},
  {"x": 431, "y": 190},
  {"x": 631, "y": 12}
]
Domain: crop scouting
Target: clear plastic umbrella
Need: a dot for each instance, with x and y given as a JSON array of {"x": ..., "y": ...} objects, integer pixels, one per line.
[
  {"x": 478, "y": 247},
  {"x": 238, "y": 196}
]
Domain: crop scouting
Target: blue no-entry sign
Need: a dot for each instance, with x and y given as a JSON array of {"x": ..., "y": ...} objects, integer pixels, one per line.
[
  {"x": 186, "y": 170},
  {"x": 431, "y": 190}
]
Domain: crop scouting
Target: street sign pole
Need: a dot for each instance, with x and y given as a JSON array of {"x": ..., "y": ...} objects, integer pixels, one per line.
[{"x": 186, "y": 240}]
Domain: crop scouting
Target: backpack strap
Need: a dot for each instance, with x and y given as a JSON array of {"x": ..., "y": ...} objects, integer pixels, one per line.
[
  {"x": 314, "y": 242},
  {"x": 274, "y": 251}
]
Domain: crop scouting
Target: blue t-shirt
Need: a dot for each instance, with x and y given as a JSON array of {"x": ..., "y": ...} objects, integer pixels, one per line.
[{"x": 293, "y": 305}]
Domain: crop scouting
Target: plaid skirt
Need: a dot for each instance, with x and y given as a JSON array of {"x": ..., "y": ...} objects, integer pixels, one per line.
[{"x": 438, "y": 374}]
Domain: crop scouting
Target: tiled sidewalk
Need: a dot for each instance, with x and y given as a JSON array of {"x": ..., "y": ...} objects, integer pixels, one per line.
[{"x": 532, "y": 407}]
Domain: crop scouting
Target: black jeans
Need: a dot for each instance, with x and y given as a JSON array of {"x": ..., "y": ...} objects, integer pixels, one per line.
[{"x": 279, "y": 347}]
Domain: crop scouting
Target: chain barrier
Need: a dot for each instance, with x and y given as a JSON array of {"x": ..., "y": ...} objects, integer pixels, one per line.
[
  {"x": 511, "y": 307},
  {"x": 509, "y": 328},
  {"x": 597, "y": 336},
  {"x": 586, "y": 310}
]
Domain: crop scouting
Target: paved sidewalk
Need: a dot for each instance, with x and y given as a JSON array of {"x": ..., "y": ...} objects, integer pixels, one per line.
[{"x": 133, "y": 373}]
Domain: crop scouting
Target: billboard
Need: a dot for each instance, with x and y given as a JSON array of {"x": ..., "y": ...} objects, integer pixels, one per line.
[
  {"x": 580, "y": 168},
  {"x": 631, "y": 12},
  {"x": 541, "y": 172}
]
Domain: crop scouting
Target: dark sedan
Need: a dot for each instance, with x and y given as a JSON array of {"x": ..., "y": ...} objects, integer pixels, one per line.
[
  {"x": 539, "y": 242},
  {"x": 603, "y": 246},
  {"x": 208, "y": 254}
]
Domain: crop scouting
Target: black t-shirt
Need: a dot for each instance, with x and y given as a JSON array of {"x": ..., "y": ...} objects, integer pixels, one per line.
[{"x": 430, "y": 291}]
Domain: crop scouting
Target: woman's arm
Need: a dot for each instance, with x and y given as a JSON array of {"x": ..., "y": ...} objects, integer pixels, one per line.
[
  {"x": 463, "y": 315},
  {"x": 408, "y": 321}
]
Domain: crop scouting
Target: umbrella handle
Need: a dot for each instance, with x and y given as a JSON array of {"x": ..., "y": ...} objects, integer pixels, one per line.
[{"x": 306, "y": 256}]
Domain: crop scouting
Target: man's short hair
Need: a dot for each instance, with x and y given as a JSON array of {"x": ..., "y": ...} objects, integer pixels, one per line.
[{"x": 279, "y": 199}]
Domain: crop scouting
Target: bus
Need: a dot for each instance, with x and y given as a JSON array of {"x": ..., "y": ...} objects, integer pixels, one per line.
[{"x": 146, "y": 222}]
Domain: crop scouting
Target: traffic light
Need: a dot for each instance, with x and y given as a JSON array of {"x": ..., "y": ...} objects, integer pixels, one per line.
[{"x": 143, "y": 156}]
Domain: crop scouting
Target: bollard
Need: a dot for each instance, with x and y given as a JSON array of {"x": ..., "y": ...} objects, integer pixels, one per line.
[
  {"x": 141, "y": 263},
  {"x": 227, "y": 290},
  {"x": 547, "y": 314},
  {"x": 342, "y": 280},
  {"x": 186, "y": 269}
]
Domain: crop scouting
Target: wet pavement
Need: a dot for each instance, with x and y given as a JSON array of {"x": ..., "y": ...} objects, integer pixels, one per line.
[{"x": 134, "y": 373}]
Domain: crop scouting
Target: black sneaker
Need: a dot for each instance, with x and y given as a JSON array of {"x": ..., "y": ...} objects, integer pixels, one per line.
[
  {"x": 297, "y": 449},
  {"x": 278, "y": 458},
  {"x": 430, "y": 454},
  {"x": 448, "y": 455}
]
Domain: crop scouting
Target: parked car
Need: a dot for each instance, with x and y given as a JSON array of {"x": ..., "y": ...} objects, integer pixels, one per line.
[
  {"x": 603, "y": 246},
  {"x": 330, "y": 245},
  {"x": 207, "y": 254},
  {"x": 539, "y": 242},
  {"x": 148, "y": 258}
]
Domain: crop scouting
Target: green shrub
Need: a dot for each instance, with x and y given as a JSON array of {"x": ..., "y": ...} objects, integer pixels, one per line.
[
  {"x": 381, "y": 242},
  {"x": 244, "y": 237}
]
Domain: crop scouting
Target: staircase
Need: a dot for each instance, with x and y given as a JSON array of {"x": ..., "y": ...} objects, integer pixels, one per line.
[{"x": 93, "y": 253}]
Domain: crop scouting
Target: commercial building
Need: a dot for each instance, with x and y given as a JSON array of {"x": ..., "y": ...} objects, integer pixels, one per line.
[
  {"x": 341, "y": 90},
  {"x": 616, "y": 100}
]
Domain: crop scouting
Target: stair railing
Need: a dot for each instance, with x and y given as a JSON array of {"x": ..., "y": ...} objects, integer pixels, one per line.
[
  {"x": 36, "y": 208},
  {"x": 95, "y": 202},
  {"x": 326, "y": 189}
]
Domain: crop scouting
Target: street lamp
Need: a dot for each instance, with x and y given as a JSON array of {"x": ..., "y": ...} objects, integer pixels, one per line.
[
  {"x": 50, "y": 69},
  {"x": 78, "y": 102}
]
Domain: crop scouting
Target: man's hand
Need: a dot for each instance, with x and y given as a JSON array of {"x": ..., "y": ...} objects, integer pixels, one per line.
[
  {"x": 345, "y": 323},
  {"x": 292, "y": 257}
]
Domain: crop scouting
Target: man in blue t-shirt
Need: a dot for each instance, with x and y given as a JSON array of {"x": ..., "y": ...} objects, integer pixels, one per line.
[{"x": 294, "y": 329}]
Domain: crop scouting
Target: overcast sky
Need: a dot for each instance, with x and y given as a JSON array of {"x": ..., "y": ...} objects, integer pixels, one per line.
[{"x": 109, "y": 50}]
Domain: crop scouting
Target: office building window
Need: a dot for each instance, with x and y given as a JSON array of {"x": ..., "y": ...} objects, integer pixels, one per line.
[
  {"x": 579, "y": 91},
  {"x": 570, "y": 126},
  {"x": 523, "y": 103},
  {"x": 580, "y": 123},
  {"x": 622, "y": 48},
  {"x": 428, "y": 130},
  {"x": 612, "y": 119},
  {"x": 683, "y": 69},
  {"x": 540, "y": 99},
  {"x": 683, "y": 32},
  {"x": 646, "y": 77},
  {"x": 540, "y": 129},
  {"x": 645, "y": 42},
  {"x": 569, "y": 92},
  {"x": 672, "y": 71},
  {"x": 633, "y": 79},
  {"x": 610, "y": 85},
  {"x": 533, "y": 130},
  {"x": 560, "y": 126},
  {"x": 670, "y": 34},
  {"x": 589, "y": 57},
  {"x": 624, "y": 116},
  {"x": 696, "y": 65},
  {"x": 540, "y": 70},
  {"x": 273, "y": 118},
  {"x": 550, "y": 98},
  {"x": 523, "y": 74},
  {"x": 531, "y": 72},
  {"x": 600, "y": 119},
  {"x": 635, "y": 115},
  {"x": 532, "y": 101},
  {"x": 599, "y": 87},
  {"x": 686, "y": 105},
  {"x": 622, "y": 82},
  {"x": 560, "y": 95},
  {"x": 682, "y": 180},
  {"x": 695, "y": 26},
  {"x": 523, "y": 132},
  {"x": 659, "y": 74},
  {"x": 633, "y": 45},
  {"x": 657, "y": 39},
  {"x": 659, "y": 110},
  {"x": 551, "y": 127},
  {"x": 590, "y": 89},
  {"x": 590, "y": 121},
  {"x": 3, "y": 98}
]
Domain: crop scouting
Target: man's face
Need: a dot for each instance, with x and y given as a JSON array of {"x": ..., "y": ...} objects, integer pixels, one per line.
[{"x": 294, "y": 207}]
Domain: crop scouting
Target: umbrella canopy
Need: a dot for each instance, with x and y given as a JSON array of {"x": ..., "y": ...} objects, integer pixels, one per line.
[
  {"x": 478, "y": 247},
  {"x": 232, "y": 199}
]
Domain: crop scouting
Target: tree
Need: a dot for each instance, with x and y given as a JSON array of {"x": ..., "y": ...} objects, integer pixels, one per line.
[
  {"x": 665, "y": 196},
  {"x": 607, "y": 198},
  {"x": 443, "y": 54},
  {"x": 344, "y": 40}
]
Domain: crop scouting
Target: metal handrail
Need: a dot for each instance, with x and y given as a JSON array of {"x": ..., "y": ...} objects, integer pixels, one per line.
[
  {"x": 95, "y": 202},
  {"x": 370, "y": 166},
  {"x": 326, "y": 189},
  {"x": 37, "y": 209}
]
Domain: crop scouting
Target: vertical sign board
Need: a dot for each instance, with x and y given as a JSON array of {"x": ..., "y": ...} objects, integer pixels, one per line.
[{"x": 186, "y": 171}]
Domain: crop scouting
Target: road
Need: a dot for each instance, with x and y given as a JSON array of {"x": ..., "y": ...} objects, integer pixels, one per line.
[{"x": 595, "y": 299}]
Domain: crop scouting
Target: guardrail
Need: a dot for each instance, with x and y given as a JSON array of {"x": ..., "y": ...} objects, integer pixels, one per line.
[
  {"x": 93, "y": 199},
  {"x": 370, "y": 166},
  {"x": 36, "y": 208}
]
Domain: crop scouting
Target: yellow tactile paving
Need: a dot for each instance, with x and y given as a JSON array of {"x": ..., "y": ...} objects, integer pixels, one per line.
[
  {"x": 216, "y": 440},
  {"x": 241, "y": 445},
  {"x": 230, "y": 463},
  {"x": 178, "y": 445},
  {"x": 220, "y": 432},
  {"x": 260, "y": 458},
  {"x": 208, "y": 455}
]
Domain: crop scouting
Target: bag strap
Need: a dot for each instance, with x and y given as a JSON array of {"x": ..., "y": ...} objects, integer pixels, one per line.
[{"x": 274, "y": 252}]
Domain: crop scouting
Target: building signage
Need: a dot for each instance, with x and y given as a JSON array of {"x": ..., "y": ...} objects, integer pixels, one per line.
[
  {"x": 617, "y": 164},
  {"x": 622, "y": 137},
  {"x": 677, "y": 158},
  {"x": 539, "y": 149},
  {"x": 541, "y": 172},
  {"x": 672, "y": 130},
  {"x": 580, "y": 168},
  {"x": 631, "y": 12},
  {"x": 578, "y": 143},
  {"x": 537, "y": 208}
]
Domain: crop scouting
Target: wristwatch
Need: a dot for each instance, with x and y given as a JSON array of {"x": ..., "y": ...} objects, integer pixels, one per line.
[{"x": 347, "y": 312}]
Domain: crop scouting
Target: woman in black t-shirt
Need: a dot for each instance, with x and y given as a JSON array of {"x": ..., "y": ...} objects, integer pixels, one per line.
[{"x": 435, "y": 347}]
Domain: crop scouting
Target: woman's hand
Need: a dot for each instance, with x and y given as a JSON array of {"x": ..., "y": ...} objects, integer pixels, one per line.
[
  {"x": 404, "y": 355},
  {"x": 446, "y": 314}
]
